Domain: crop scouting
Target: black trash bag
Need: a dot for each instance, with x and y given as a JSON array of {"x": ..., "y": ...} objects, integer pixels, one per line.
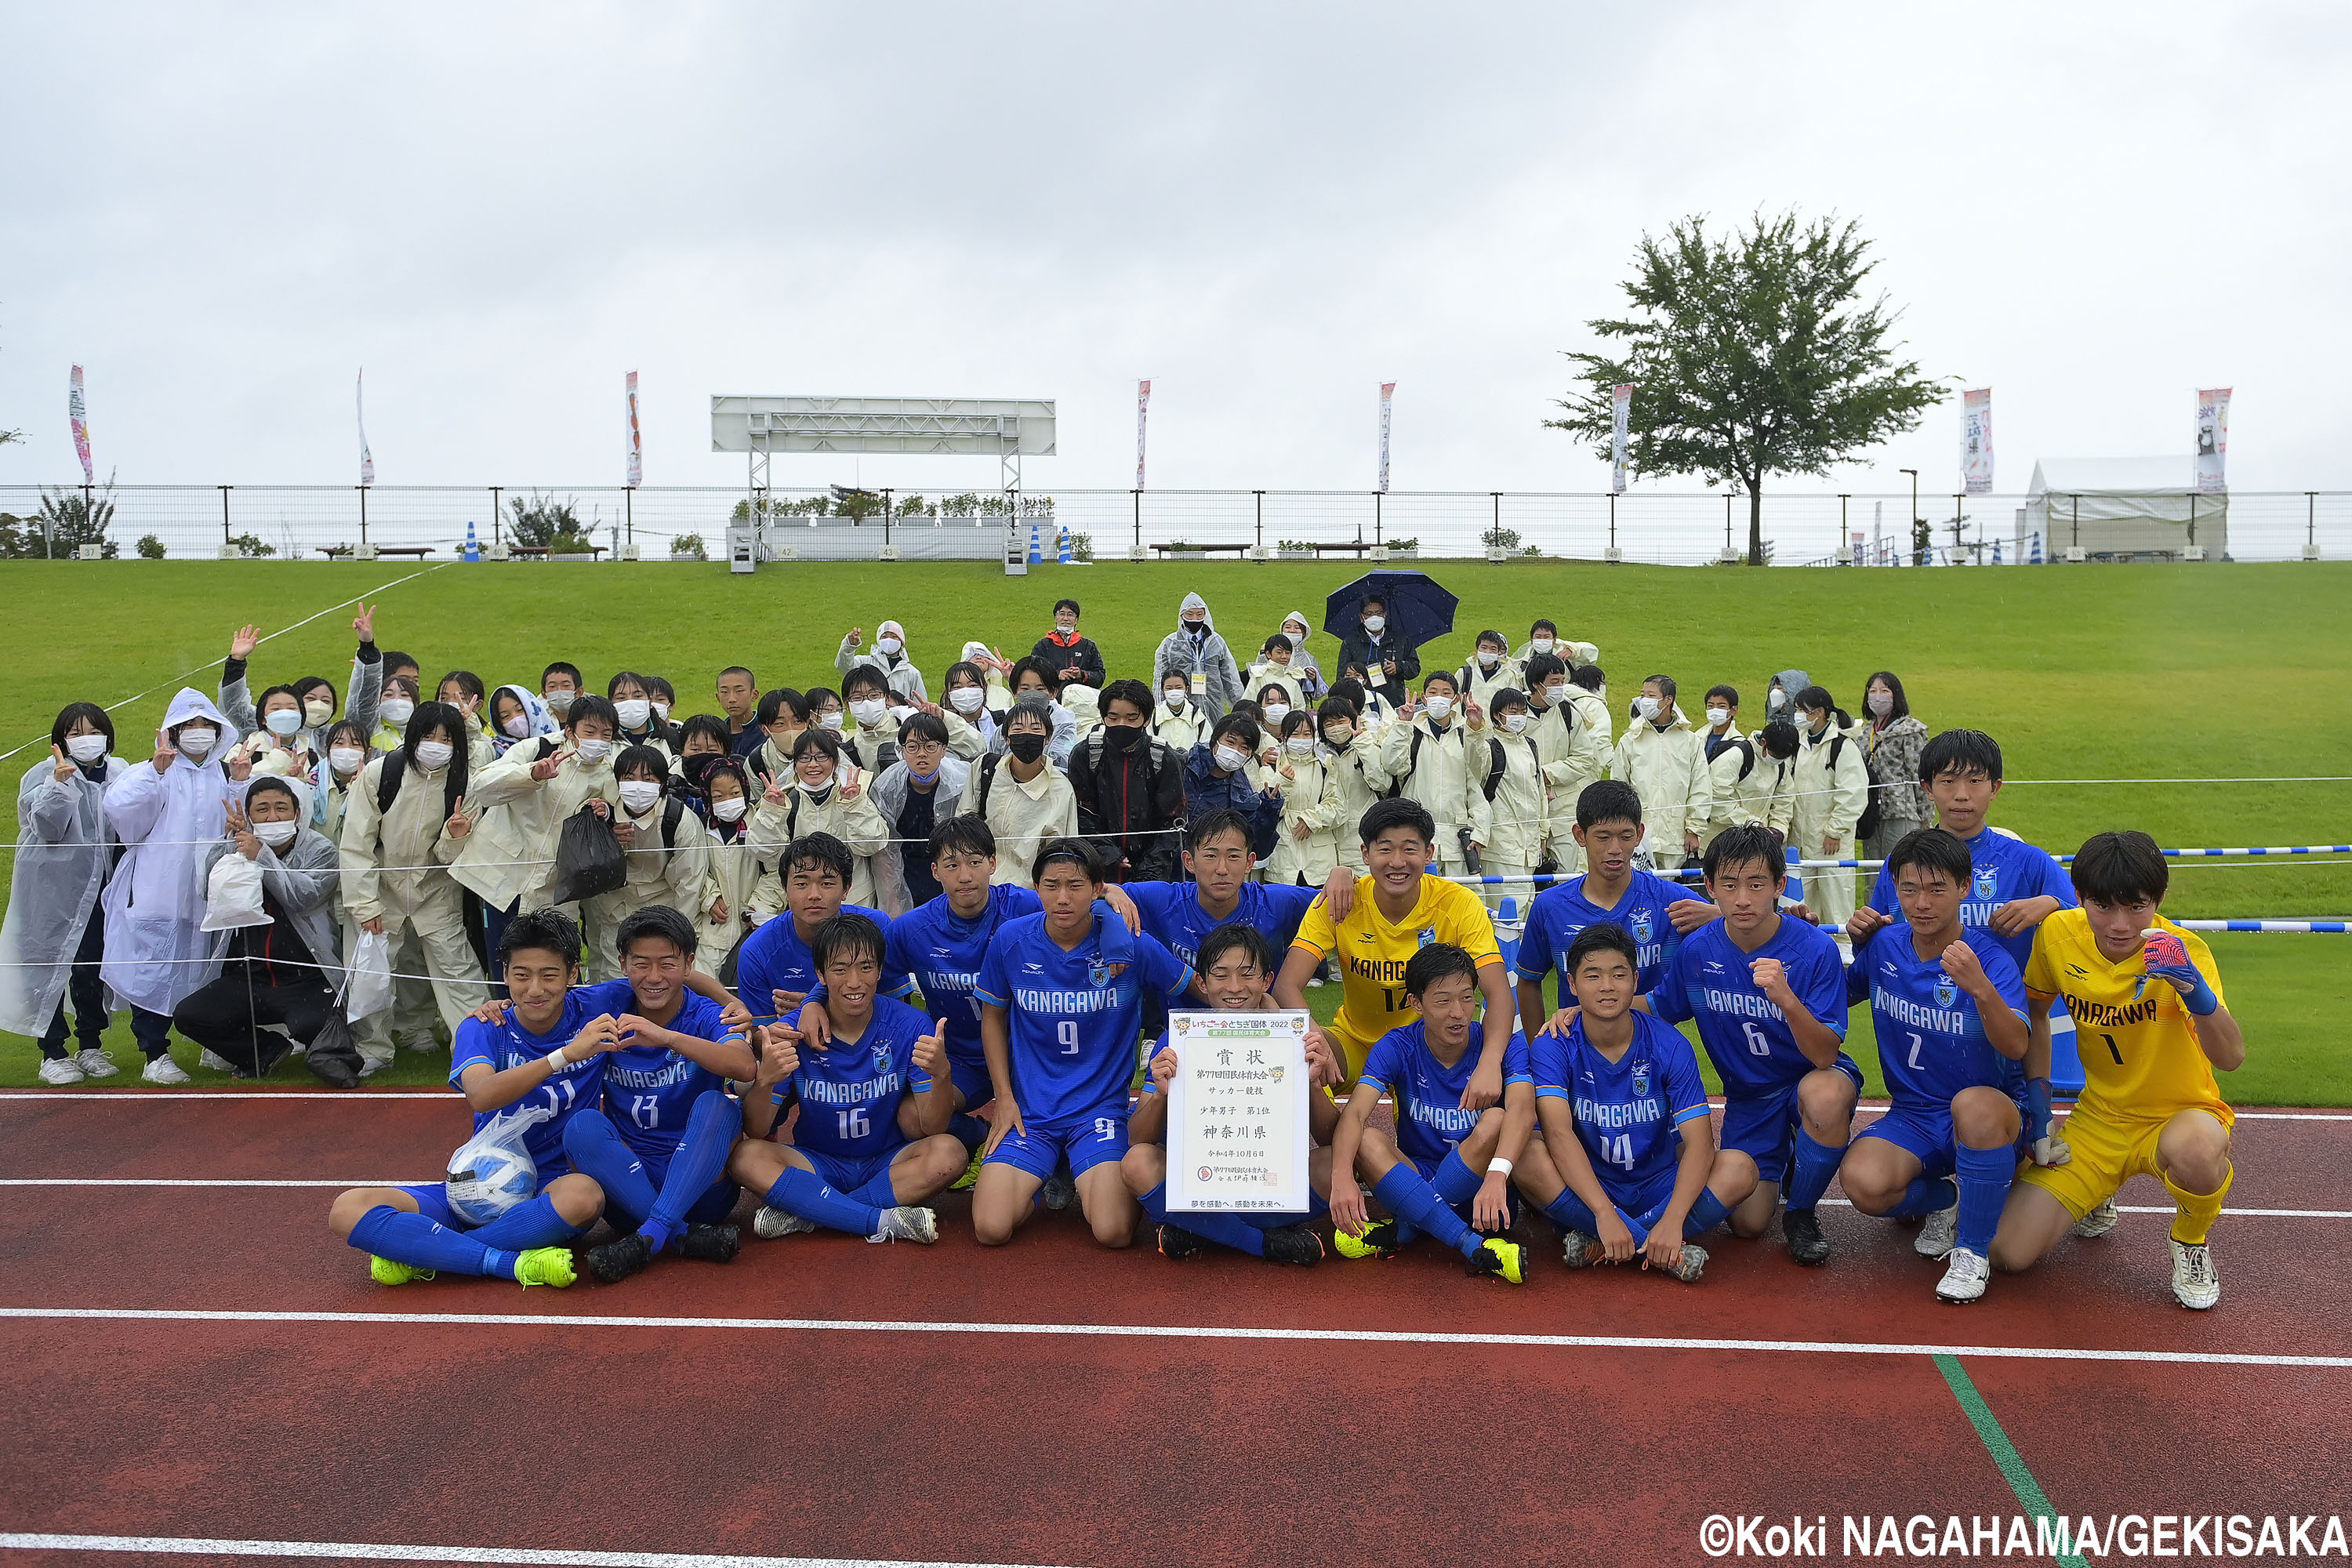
[
  {"x": 589, "y": 859},
  {"x": 333, "y": 1055}
]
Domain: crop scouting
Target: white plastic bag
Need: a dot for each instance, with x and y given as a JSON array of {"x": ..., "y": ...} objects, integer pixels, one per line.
[
  {"x": 493, "y": 1171},
  {"x": 233, "y": 895},
  {"x": 369, "y": 987}
]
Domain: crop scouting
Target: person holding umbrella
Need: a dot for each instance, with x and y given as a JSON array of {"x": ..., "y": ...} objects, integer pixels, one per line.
[{"x": 1382, "y": 619}]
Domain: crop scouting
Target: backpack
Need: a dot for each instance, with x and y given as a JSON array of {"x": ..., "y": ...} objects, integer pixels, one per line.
[
  {"x": 1746, "y": 757},
  {"x": 1498, "y": 762},
  {"x": 389, "y": 779},
  {"x": 1156, "y": 755},
  {"x": 1494, "y": 763},
  {"x": 987, "y": 777}
]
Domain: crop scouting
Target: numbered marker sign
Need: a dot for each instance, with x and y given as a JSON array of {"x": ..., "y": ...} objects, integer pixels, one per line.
[{"x": 1237, "y": 1112}]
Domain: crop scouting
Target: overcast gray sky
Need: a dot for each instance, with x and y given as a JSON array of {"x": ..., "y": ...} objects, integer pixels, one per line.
[{"x": 1267, "y": 209}]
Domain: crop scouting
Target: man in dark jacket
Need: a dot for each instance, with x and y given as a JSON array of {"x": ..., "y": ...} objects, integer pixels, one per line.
[
  {"x": 1217, "y": 778},
  {"x": 1130, "y": 789},
  {"x": 1069, "y": 655},
  {"x": 1390, "y": 666}
]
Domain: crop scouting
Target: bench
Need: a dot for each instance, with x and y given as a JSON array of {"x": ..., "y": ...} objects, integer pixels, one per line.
[
  {"x": 1352, "y": 546},
  {"x": 1202, "y": 549},
  {"x": 539, "y": 551},
  {"x": 338, "y": 552}
]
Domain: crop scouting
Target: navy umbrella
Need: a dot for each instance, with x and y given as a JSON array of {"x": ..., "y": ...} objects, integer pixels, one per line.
[{"x": 1419, "y": 610}]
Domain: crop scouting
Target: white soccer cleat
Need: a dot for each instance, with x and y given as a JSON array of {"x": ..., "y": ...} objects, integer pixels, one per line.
[
  {"x": 212, "y": 1061},
  {"x": 1965, "y": 1278},
  {"x": 2194, "y": 1284},
  {"x": 1937, "y": 1235},
  {"x": 94, "y": 1063},
  {"x": 770, "y": 1223},
  {"x": 60, "y": 1071},
  {"x": 908, "y": 1223},
  {"x": 164, "y": 1070},
  {"x": 2096, "y": 1221}
]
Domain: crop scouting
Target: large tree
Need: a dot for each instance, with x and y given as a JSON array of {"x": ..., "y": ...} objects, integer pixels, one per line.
[{"x": 1750, "y": 354}]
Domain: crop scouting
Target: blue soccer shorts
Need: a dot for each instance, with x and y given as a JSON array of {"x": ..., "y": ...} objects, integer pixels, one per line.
[
  {"x": 1096, "y": 1138},
  {"x": 1764, "y": 1127}
]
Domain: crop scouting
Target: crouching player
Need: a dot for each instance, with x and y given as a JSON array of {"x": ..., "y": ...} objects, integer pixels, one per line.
[
  {"x": 1950, "y": 1025},
  {"x": 1236, "y": 966},
  {"x": 875, "y": 1100},
  {"x": 1447, "y": 1160},
  {"x": 2146, "y": 997},
  {"x": 1061, "y": 997},
  {"x": 659, "y": 1146},
  {"x": 1627, "y": 1163},
  {"x": 536, "y": 1053}
]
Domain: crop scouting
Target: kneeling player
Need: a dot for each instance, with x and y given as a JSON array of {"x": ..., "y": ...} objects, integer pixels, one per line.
[
  {"x": 1061, "y": 997},
  {"x": 876, "y": 1100},
  {"x": 1950, "y": 1024},
  {"x": 2146, "y": 997},
  {"x": 535, "y": 1053},
  {"x": 1431, "y": 1172},
  {"x": 1636, "y": 1170},
  {"x": 659, "y": 1146},
  {"x": 1236, "y": 965}
]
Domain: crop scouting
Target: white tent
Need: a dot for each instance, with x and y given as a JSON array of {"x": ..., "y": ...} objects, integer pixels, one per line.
[{"x": 2124, "y": 506}]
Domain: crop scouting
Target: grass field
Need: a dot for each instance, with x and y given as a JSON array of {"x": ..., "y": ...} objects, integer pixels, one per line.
[{"x": 2099, "y": 673}]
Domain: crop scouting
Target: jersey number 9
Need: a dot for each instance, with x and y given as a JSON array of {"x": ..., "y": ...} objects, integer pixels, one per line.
[{"x": 1065, "y": 1035}]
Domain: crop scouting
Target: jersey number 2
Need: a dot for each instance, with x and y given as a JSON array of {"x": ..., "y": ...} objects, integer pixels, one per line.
[{"x": 1917, "y": 1046}]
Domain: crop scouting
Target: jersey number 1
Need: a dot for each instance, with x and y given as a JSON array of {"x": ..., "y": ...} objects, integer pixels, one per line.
[{"x": 2111, "y": 1048}]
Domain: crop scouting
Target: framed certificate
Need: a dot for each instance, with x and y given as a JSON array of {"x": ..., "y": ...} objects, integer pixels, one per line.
[{"x": 1238, "y": 1133}]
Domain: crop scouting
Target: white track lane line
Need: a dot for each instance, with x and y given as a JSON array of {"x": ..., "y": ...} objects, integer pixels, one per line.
[
  {"x": 1182, "y": 1332},
  {"x": 373, "y": 1551}
]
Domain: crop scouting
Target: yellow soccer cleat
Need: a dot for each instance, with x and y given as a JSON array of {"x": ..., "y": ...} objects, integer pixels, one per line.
[
  {"x": 543, "y": 1266},
  {"x": 971, "y": 1174},
  {"x": 1379, "y": 1241},
  {"x": 1504, "y": 1259},
  {"x": 384, "y": 1271}
]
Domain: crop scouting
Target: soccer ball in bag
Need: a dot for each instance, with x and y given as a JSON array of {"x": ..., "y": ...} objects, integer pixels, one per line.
[{"x": 496, "y": 1178}]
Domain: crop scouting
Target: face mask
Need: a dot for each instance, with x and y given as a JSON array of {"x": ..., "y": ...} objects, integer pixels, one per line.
[
  {"x": 967, "y": 698},
  {"x": 890, "y": 646},
  {"x": 634, "y": 712},
  {"x": 85, "y": 748},
  {"x": 1540, "y": 644},
  {"x": 1376, "y": 624},
  {"x": 661, "y": 712},
  {"x": 1716, "y": 718},
  {"x": 593, "y": 751},
  {"x": 519, "y": 726},
  {"x": 639, "y": 795},
  {"x": 823, "y": 783},
  {"x": 1555, "y": 695},
  {"x": 830, "y": 721},
  {"x": 561, "y": 701},
  {"x": 869, "y": 710},
  {"x": 727, "y": 810},
  {"x": 1172, "y": 700},
  {"x": 433, "y": 755},
  {"x": 396, "y": 710},
  {"x": 1515, "y": 723},
  {"x": 1816, "y": 723},
  {"x": 1488, "y": 658},
  {"x": 1297, "y": 638},
  {"x": 317, "y": 713},
  {"x": 1062, "y": 631},
  {"x": 283, "y": 721},
  {"x": 1026, "y": 748},
  {"x": 1882, "y": 703},
  {"x": 1337, "y": 734},
  {"x": 1230, "y": 760},
  {"x": 197, "y": 742},
  {"x": 902, "y": 713},
  {"x": 276, "y": 835},
  {"x": 1440, "y": 706},
  {"x": 346, "y": 760},
  {"x": 1276, "y": 713},
  {"x": 1300, "y": 746},
  {"x": 1123, "y": 737},
  {"x": 1777, "y": 701},
  {"x": 1647, "y": 707}
]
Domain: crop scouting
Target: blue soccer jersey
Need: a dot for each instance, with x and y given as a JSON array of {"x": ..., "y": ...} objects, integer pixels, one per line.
[
  {"x": 943, "y": 951},
  {"x": 1429, "y": 1116},
  {"x": 850, "y": 1091},
  {"x": 1629, "y": 1112},
  {"x": 1745, "y": 1034},
  {"x": 649, "y": 1091},
  {"x": 774, "y": 959},
  {"x": 1071, "y": 1017},
  {"x": 1172, "y": 912},
  {"x": 1931, "y": 1034},
  {"x": 509, "y": 1044},
  {"x": 1560, "y": 914},
  {"x": 2000, "y": 869}
]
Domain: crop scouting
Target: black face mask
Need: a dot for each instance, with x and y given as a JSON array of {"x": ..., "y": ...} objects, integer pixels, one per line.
[
  {"x": 1026, "y": 748},
  {"x": 1122, "y": 737}
]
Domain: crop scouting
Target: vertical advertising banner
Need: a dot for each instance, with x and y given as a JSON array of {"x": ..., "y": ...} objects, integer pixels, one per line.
[
  {"x": 637, "y": 439},
  {"x": 1142, "y": 408},
  {"x": 1620, "y": 423},
  {"x": 2212, "y": 438},
  {"x": 78, "y": 411},
  {"x": 1976, "y": 441},
  {"x": 1388, "y": 390},
  {"x": 367, "y": 462}
]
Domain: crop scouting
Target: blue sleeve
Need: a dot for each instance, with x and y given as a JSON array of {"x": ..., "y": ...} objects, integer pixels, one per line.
[
  {"x": 1882, "y": 893},
  {"x": 1019, "y": 902},
  {"x": 2055, "y": 881},
  {"x": 607, "y": 996},
  {"x": 1535, "y": 945},
  {"x": 1548, "y": 1066},
  {"x": 994, "y": 985},
  {"x": 2002, "y": 970},
  {"x": 1516, "y": 1065},
  {"x": 1685, "y": 1090},
  {"x": 1671, "y": 998},
  {"x": 1117, "y": 942},
  {"x": 472, "y": 1045},
  {"x": 897, "y": 956},
  {"x": 1162, "y": 969},
  {"x": 1290, "y": 907},
  {"x": 754, "y": 985},
  {"x": 1268, "y": 818},
  {"x": 1857, "y": 976},
  {"x": 1822, "y": 987},
  {"x": 1381, "y": 1064}
]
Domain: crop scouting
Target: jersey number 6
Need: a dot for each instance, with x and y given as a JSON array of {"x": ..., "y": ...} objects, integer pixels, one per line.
[{"x": 1757, "y": 1044}]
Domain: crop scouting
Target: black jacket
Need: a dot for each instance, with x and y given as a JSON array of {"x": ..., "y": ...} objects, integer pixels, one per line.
[
  {"x": 1357, "y": 650},
  {"x": 1084, "y": 654},
  {"x": 1127, "y": 801}
]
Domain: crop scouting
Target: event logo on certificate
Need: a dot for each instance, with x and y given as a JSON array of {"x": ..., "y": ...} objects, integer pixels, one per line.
[{"x": 1237, "y": 1112}]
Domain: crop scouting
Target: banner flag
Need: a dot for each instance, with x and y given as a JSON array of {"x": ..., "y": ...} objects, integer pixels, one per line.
[
  {"x": 1976, "y": 441},
  {"x": 1621, "y": 421},
  {"x": 1142, "y": 407},
  {"x": 1388, "y": 390},
  {"x": 2212, "y": 438},
  {"x": 78, "y": 410},
  {"x": 637, "y": 442},
  {"x": 367, "y": 462}
]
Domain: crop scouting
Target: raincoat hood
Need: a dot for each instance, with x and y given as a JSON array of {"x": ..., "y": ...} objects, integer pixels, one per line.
[
  {"x": 193, "y": 704},
  {"x": 1195, "y": 601},
  {"x": 1791, "y": 681},
  {"x": 1300, "y": 616},
  {"x": 974, "y": 651},
  {"x": 534, "y": 708},
  {"x": 891, "y": 629}
]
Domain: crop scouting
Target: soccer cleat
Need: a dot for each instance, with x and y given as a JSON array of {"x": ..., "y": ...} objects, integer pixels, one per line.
[
  {"x": 1177, "y": 1244},
  {"x": 1058, "y": 1193},
  {"x": 2096, "y": 1221},
  {"x": 1379, "y": 1241},
  {"x": 1965, "y": 1278},
  {"x": 94, "y": 1062},
  {"x": 1801, "y": 1228},
  {"x": 1689, "y": 1265},
  {"x": 971, "y": 1174},
  {"x": 1294, "y": 1244},
  {"x": 1504, "y": 1259},
  {"x": 164, "y": 1070},
  {"x": 551, "y": 1266},
  {"x": 711, "y": 1243},
  {"x": 770, "y": 1223},
  {"x": 1315, "y": 980},
  {"x": 384, "y": 1271},
  {"x": 1579, "y": 1248},
  {"x": 2194, "y": 1284},
  {"x": 1941, "y": 1231},
  {"x": 616, "y": 1259},
  {"x": 58, "y": 1072},
  {"x": 908, "y": 1223}
]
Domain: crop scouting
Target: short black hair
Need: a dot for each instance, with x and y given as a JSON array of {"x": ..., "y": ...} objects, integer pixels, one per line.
[
  {"x": 540, "y": 930},
  {"x": 392, "y": 661},
  {"x": 2120, "y": 868},
  {"x": 963, "y": 668},
  {"x": 1506, "y": 697},
  {"x": 923, "y": 726},
  {"x": 744, "y": 670},
  {"x": 261, "y": 703},
  {"x": 1278, "y": 638},
  {"x": 1402, "y": 812},
  {"x": 658, "y": 922},
  {"x": 1665, "y": 683},
  {"x": 968, "y": 833},
  {"x": 818, "y": 696},
  {"x": 1779, "y": 738},
  {"x": 73, "y": 713},
  {"x": 1033, "y": 708},
  {"x": 773, "y": 705},
  {"x": 626, "y": 677},
  {"x": 1960, "y": 751},
  {"x": 309, "y": 683},
  {"x": 845, "y": 936},
  {"x": 1589, "y": 677},
  {"x": 1369, "y": 600},
  {"x": 818, "y": 852},
  {"x": 1491, "y": 635},
  {"x": 1738, "y": 846},
  {"x": 1894, "y": 684},
  {"x": 1434, "y": 675},
  {"x": 1931, "y": 849},
  {"x": 1076, "y": 851},
  {"x": 1070, "y": 605},
  {"x": 1271, "y": 690},
  {"x": 1438, "y": 961},
  {"x": 467, "y": 682},
  {"x": 1209, "y": 824},
  {"x": 1130, "y": 692},
  {"x": 588, "y": 705},
  {"x": 816, "y": 739},
  {"x": 865, "y": 675},
  {"x": 1240, "y": 727},
  {"x": 1232, "y": 934},
  {"x": 710, "y": 727},
  {"x": 1608, "y": 800},
  {"x": 641, "y": 759},
  {"x": 1543, "y": 624},
  {"x": 561, "y": 667},
  {"x": 1818, "y": 699},
  {"x": 273, "y": 782},
  {"x": 1541, "y": 667},
  {"x": 1730, "y": 694},
  {"x": 1038, "y": 667},
  {"x": 1351, "y": 689},
  {"x": 1606, "y": 935},
  {"x": 1335, "y": 706}
]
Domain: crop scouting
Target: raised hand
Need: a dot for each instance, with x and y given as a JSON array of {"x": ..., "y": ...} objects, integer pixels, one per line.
[
  {"x": 461, "y": 822},
  {"x": 65, "y": 766},
  {"x": 1866, "y": 923},
  {"x": 238, "y": 765},
  {"x": 248, "y": 844},
  {"x": 1162, "y": 1069},
  {"x": 932, "y": 1051},
  {"x": 1771, "y": 978},
  {"x": 364, "y": 624},
  {"x": 1962, "y": 964},
  {"x": 164, "y": 754},
  {"x": 548, "y": 766},
  {"x": 243, "y": 641}
]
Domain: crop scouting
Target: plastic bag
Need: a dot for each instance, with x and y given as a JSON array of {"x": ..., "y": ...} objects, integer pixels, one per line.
[
  {"x": 493, "y": 1171},
  {"x": 589, "y": 859},
  {"x": 369, "y": 990},
  {"x": 233, "y": 895}
]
